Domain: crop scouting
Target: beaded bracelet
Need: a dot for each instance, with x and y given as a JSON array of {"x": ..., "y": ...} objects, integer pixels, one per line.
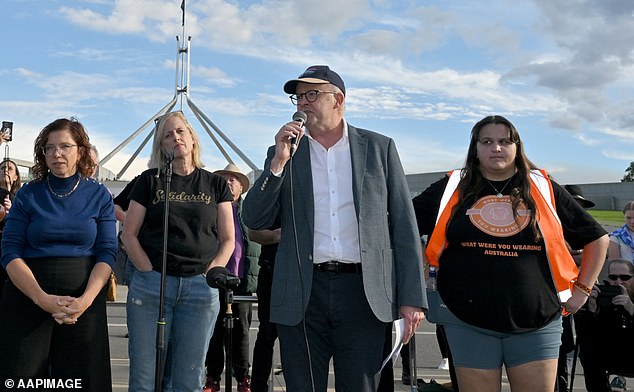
[{"x": 584, "y": 289}]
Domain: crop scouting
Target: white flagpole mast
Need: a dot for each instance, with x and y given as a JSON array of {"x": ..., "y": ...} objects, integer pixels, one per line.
[{"x": 181, "y": 87}]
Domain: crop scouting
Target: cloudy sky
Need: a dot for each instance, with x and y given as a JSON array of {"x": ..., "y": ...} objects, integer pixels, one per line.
[{"x": 422, "y": 72}]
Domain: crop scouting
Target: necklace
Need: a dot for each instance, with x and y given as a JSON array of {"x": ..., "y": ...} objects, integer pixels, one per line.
[
  {"x": 499, "y": 193},
  {"x": 48, "y": 182}
]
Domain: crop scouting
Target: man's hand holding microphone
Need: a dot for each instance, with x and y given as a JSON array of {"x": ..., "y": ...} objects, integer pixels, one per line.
[{"x": 286, "y": 141}]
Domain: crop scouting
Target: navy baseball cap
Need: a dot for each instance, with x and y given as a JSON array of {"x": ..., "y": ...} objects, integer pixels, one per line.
[{"x": 316, "y": 74}]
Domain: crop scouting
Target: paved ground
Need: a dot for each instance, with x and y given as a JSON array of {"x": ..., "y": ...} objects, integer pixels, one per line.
[{"x": 428, "y": 355}]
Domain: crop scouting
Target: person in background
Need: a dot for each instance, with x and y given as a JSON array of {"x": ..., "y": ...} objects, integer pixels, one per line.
[
  {"x": 200, "y": 237},
  {"x": 622, "y": 239},
  {"x": 94, "y": 154},
  {"x": 564, "y": 362},
  {"x": 124, "y": 268},
  {"x": 605, "y": 331},
  {"x": 58, "y": 247},
  {"x": 243, "y": 264},
  {"x": 9, "y": 184},
  {"x": 349, "y": 260},
  {"x": 10, "y": 181},
  {"x": 504, "y": 270},
  {"x": 267, "y": 332}
]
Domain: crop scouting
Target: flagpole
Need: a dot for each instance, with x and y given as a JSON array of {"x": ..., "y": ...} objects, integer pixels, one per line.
[
  {"x": 181, "y": 88},
  {"x": 184, "y": 13}
]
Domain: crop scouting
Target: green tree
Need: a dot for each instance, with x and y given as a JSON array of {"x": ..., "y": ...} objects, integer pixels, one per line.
[{"x": 629, "y": 174}]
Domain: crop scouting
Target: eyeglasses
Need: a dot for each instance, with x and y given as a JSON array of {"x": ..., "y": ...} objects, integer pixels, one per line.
[
  {"x": 310, "y": 95},
  {"x": 502, "y": 142},
  {"x": 624, "y": 278},
  {"x": 51, "y": 149}
]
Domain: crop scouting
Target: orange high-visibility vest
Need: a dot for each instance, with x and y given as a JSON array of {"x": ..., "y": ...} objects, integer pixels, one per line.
[{"x": 562, "y": 266}]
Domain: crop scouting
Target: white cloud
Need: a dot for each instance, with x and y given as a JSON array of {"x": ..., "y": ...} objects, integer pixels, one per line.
[
  {"x": 567, "y": 66},
  {"x": 621, "y": 155},
  {"x": 152, "y": 17},
  {"x": 624, "y": 135}
]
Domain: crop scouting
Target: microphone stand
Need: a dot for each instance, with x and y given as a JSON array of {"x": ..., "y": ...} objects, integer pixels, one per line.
[
  {"x": 160, "y": 324},
  {"x": 229, "y": 285},
  {"x": 412, "y": 364},
  {"x": 229, "y": 340}
]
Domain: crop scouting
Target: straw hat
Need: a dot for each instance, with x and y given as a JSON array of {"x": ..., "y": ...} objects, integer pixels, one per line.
[{"x": 234, "y": 170}]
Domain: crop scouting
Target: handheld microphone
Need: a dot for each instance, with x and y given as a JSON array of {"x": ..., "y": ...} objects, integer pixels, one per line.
[{"x": 301, "y": 118}]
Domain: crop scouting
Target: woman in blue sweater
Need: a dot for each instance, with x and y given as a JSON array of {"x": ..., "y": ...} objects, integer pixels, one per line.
[{"x": 58, "y": 246}]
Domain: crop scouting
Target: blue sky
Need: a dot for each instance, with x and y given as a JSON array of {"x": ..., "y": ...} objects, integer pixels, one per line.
[{"x": 421, "y": 72}]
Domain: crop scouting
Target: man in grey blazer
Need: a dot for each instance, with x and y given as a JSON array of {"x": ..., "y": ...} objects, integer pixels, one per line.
[{"x": 349, "y": 261}]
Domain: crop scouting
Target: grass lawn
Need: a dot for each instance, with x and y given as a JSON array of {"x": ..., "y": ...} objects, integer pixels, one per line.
[{"x": 607, "y": 217}]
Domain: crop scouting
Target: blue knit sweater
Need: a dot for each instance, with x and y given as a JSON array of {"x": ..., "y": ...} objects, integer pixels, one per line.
[{"x": 41, "y": 224}]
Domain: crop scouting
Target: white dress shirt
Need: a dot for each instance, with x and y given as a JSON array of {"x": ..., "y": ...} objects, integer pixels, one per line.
[{"x": 336, "y": 235}]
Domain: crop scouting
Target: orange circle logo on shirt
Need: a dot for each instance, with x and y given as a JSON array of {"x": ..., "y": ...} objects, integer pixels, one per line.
[{"x": 494, "y": 216}]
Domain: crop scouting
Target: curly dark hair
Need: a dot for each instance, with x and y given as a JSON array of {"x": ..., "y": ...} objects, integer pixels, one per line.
[
  {"x": 472, "y": 181},
  {"x": 80, "y": 137}
]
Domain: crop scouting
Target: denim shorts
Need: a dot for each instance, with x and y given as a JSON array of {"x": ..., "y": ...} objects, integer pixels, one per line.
[{"x": 479, "y": 348}]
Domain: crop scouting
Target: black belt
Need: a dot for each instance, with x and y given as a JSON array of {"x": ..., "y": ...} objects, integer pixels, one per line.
[{"x": 336, "y": 266}]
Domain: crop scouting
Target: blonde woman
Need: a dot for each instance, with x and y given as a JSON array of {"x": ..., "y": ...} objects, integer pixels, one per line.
[{"x": 200, "y": 236}]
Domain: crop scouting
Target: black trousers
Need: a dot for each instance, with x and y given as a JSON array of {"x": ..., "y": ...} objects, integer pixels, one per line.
[
  {"x": 267, "y": 333},
  {"x": 339, "y": 325},
  {"x": 215, "y": 360},
  {"x": 33, "y": 345},
  {"x": 386, "y": 381},
  {"x": 603, "y": 346}
]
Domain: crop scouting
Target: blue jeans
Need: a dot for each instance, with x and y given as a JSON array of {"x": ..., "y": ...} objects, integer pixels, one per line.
[{"x": 191, "y": 308}]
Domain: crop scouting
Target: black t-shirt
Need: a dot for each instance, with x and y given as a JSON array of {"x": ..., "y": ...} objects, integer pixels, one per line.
[
  {"x": 493, "y": 273},
  {"x": 193, "y": 213},
  {"x": 123, "y": 198}
]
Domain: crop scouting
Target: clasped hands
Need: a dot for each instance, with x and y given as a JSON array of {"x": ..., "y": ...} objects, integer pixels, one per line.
[{"x": 66, "y": 309}]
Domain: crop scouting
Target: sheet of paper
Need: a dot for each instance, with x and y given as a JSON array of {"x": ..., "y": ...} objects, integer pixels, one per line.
[{"x": 399, "y": 327}]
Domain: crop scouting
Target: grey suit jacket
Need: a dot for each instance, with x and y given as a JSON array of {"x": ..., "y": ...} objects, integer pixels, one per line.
[{"x": 390, "y": 245}]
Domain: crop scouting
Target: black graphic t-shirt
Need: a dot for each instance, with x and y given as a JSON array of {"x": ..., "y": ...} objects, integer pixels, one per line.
[
  {"x": 193, "y": 212},
  {"x": 493, "y": 273}
]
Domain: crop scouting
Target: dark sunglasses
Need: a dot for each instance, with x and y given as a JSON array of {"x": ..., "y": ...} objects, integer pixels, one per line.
[{"x": 624, "y": 278}]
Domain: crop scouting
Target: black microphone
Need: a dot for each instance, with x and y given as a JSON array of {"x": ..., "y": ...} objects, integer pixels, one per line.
[
  {"x": 221, "y": 278},
  {"x": 169, "y": 155},
  {"x": 301, "y": 118}
]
